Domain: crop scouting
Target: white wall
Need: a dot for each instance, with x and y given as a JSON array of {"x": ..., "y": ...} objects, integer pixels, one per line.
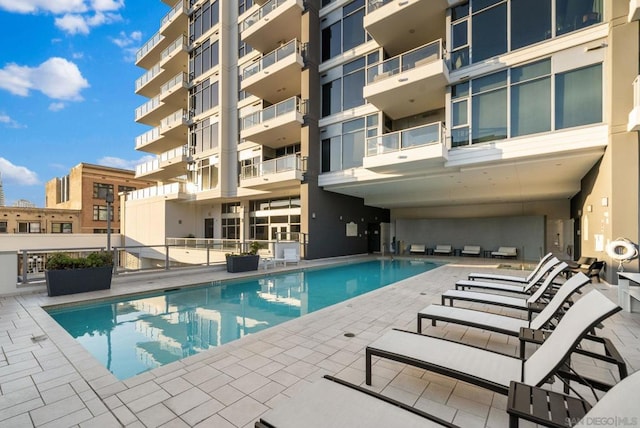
[{"x": 36, "y": 241}]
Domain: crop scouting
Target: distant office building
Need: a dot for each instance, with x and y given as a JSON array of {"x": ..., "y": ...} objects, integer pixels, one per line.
[
  {"x": 2, "y": 202},
  {"x": 20, "y": 219},
  {"x": 85, "y": 189},
  {"x": 24, "y": 203}
]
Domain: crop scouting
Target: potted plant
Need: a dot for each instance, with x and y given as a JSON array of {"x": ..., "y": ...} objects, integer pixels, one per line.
[
  {"x": 69, "y": 275},
  {"x": 244, "y": 262}
]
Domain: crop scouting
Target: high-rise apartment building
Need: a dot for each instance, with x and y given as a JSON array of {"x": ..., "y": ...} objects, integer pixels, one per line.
[{"x": 347, "y": 124}]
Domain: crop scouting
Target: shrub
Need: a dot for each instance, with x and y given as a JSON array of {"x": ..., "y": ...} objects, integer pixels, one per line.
[{"x": 61, "y": 261}]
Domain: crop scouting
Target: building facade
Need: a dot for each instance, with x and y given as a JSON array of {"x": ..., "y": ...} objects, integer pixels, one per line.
[
  {"x": 350, "y": 125},
  {"x": 38, "y": 220},
  {"x": 85, "y": 189}
]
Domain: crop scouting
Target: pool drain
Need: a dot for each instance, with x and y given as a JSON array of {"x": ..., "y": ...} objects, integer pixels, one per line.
[{"x": 349, "y": 335}]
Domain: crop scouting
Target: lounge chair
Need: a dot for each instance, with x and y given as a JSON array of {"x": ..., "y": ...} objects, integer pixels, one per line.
[
  {"x": 502, "y": 323},
  {"x": 493, "y": 370},
  {"x": 290, "y": 256},
  {"x": 594, "y": 269},
  {"x": 465, "y": 284},
  {"x": 509, "y": 278},
  {"x": 505, "y": 252},
  {"x": 266, "y": 258},
  {"x": 618, "y": 406},
  {"x": 331, "y": 402},
  {"x": 443, "y": 249},
  {"x": 506, "y": 301},
  {"x": 471, "y": 250},
  {"x": 417, "y": 248}
]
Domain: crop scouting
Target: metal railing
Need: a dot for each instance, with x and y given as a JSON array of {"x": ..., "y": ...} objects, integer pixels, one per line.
[
  {"x": 178, "y": 8},
  {"x": 147, "y": 137},
  {"x": 147, "y": 107},
  {"x": 266, "y": 9},
  {"x": 271, "y": 112},
  {"x": 32, "y": 262},
  {"x": 179, "y": 79},
  {"x": 272, "y": 166},
  {"x": 148, "y": 76},
  {"x": 180, "y": 43},
  {"x": 176, "y": 118},
  {"x": 419, "y": 56},
  {"x": 432, "y": 133},
  {"x": 290, "y": 48},
  {"x": 376, "y": 4},
  {"x": 149, "y": 192},
  {"x": 154, "y": 40}
]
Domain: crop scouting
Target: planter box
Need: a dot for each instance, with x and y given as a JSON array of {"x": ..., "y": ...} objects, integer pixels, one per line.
[
  {"x": 242, "y": 263},
  {"x": 70, "y": 281}
]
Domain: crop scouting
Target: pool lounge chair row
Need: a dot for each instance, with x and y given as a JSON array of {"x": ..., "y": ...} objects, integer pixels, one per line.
[
  {"x": 467, "y": 250},
  {"x": 497, "y": 372}
]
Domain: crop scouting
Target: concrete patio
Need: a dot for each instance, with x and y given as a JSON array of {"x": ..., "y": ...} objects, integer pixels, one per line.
[{"x": 48, "y": 380}]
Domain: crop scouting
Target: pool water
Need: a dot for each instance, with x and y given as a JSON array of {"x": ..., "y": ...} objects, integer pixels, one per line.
[{"x": 131, "y": 336}]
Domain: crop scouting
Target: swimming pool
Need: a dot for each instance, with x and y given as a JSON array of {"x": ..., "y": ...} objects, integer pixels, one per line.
[{"x": 133, "y": 335}]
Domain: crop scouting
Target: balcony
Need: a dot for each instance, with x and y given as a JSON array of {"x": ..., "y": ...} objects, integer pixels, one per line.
[
  {"x": 412, "y": 149},
  {"x": 275, "y": 21},
  {"x": 634, "y": 10},
  {"x": 168, "y": 165},
  {"x": 148, "y": 84},
  {"x": 265, "y": 77},
  {"x": 174, "y": 22},
  {"x": 166, "y": 191},
  {"x": 175, "y": 91},
  {"x": 175, "y": 57},
  {"x": 153, "y": 111},
  {"x": 421, "y": 21},
  {"x": 171, "y": 132},
  {"x": 145, "y": 56},
  {"x": 273, "y": 174},
  {"x": 275, "y": 126},
  {"x": 410, "y": 83},
  {"x": 634, "y": 116}
]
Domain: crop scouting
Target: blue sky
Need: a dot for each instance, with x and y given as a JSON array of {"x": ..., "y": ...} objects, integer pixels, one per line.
[{"x": 67, "y": 76}]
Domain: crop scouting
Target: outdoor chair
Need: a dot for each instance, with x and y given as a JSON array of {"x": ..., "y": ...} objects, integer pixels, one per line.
[
  {"x": 417, "y": 248},
  {"x": 471, "y": 250},
  {"x": 536, "y": 299},
  {"x": 504, "y": 252},
  {"x": 443, "y": 249},
  {"x": 509, "y": 278},
  {"x": 512, "y": 288},
  {"x": 332, "y": 402},
  {"x": 290, "y": 256},
  {"x": 489, "y": 369},
  {"x": 594, "y": 269}
]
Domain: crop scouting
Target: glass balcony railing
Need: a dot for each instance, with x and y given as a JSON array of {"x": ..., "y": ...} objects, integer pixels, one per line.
[
  {"x": 376, "y": 4},
  {"x": 272, "y": 57},
  {"x": 150, "y": 105},
  {"x": 178, "y": 44},
  {"x": 178, "y": 79},
  {"x": 149, "y": 192},
  {"x": 146, "y": 77},
  {"x": 173, "y": 12},
  {"x": 177, "y": 118},
  {"x": 419, "y": 56},
  {"x": 406, "y": 139},
  {"x": 148, "y": 137},
  {"x": 271, "y": 112},
  {"x": 178, "y": 152},
  {"x": 155, "y": 39},
  {"x": 272, "y": 166},
  {"x": 266, "y": 9},
  {"x": 148, "y": 167}
]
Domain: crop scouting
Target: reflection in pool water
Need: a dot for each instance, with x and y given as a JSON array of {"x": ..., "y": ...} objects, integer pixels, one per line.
[{"x": 134, "y": 335}]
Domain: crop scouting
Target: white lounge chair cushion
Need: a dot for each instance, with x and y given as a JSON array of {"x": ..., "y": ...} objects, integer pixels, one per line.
[
  {"x": 618, "y": 403},
  {"x": 492, "y": 285},
  {"x": 471, "y": 316},
  {"x": 325, "y": 403},
  {"x": 491, "y": 366},
  {"x": 495, "y": 299},
  {"x": 442, "y": 249},
  {"x": 511, "y": 278},
  {"x": 546, "y": 269}
]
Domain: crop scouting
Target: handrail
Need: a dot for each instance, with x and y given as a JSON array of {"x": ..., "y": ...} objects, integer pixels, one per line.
[
  {"x": 419, "y": 56},
  {"x": 180, "y": 78},
  {"x": 154, "y": 40},
  {"x": 150, "y": 105},
  {"x": 266, "y": 9},
  {"x": 423, "y": 135},
  {"x": 173, "y": 12},
  {"x": 272, "y": 166},
  {"x": 148, "y": 76},
  {"x": 268, "y": 59},
  {"x": 148, "y": 137},
  {"x": 274, "y": 111},
  {"x": 178, "y": 116},
  {"x": 376, "y": 4},
  {"x": 180, "y": 42},
  {"x": 162, "y": 190}
]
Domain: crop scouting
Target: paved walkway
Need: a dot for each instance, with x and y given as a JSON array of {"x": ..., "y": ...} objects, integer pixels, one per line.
[{"x": 48, "y": 380}]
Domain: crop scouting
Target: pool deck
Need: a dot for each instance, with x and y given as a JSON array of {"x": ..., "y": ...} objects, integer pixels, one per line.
[{"x": 48, "y": 380}]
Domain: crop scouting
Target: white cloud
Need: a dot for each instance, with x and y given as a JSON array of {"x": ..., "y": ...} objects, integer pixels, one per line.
[
  {"x": 115, "y": 162},
  {"x": 107, "y": 5},
  {"x": 129, "y": 43},
  {"x": 50, "y": 6},
  {"x": 8, "y": 122},
  {"x": 17, "y": 174},
  {"x": 57, "y": 78},
  {"x": 56, "y": 106}
]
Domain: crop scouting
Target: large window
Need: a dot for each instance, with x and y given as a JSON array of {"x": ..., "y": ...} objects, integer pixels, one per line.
[
  {"x": 519, "y": 101},
  {"x": 207, "y": 174},
  {"x": 101, "y": 190},
  {"x": 29, "y": 227},
  {"x": 61, "y": 227},
  {"x": 204, "y": 136},
  {"x": 482, "y": 29},
  {"x": 347, "y": 149},
  {"x": 347, "y": 33},
  {"x": 3, "y": 227},
  {"x": 204, "y": 96},
  {"x": 346, "y": 91},
  {"x": 100, "y": 213},
  {"x": 203, "y": 58},
  {"x": 203, "y": 19}
]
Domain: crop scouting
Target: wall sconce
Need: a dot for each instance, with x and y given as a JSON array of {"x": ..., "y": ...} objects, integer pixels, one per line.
[
  {"x": 604, "y": 202},
  {"x": 589, "y": 208},
  {"x": 313, "y": 215}
]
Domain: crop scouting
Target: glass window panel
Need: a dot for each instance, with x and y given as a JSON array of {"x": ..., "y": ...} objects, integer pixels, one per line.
[
  {"x": 531, "y": 71},
  {"x": 353, "y": 31},
  {"x": 331, "y": 98},
  {"x": 489, "y": 116},
  {"x": 492, "y": 81},
  {"x": 531, "y": 107},
  {"x": 459, "y": 137},
  {"x": 460, "y": 58},
  {"x": 481, "y": 4},
  {"x": 372, "y": 120},
  {"x": 575, "y": 14},
  {"x": 460, "y": 90},
  {"x": 459, "y": 34},
  {"x": 579, "y": 97},
  {"x": 331, "y": 41},
  {"x": 352, "y": 149},
  {"x": 460, "y": 12},
  {"x": 460, "y": 113},
  {"x": 353, "y": 65},
  {"x": 489, "y": 33},
  {"x": 529, "y": 25},
  {"x": 353, "y": 6},
  {"x": 331, "y": 154}
]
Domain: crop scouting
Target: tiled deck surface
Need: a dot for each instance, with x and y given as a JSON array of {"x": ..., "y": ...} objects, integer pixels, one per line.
[{"x": 48, "y": 380}]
